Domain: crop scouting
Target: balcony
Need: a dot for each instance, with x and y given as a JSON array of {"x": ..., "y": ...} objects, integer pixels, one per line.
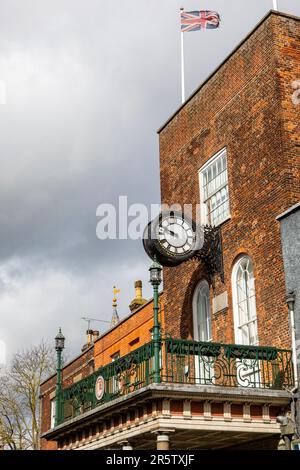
[{"x": 182, "y": 362}]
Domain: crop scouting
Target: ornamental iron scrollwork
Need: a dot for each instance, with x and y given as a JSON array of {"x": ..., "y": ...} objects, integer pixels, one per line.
[
  {"x": 202, "y": 363},
  {"x": 173, "y": 238},
  {"x": 123, "y": 376},
  {"x": 211, "y": 253},
  {"x": 183, "y": 362}
]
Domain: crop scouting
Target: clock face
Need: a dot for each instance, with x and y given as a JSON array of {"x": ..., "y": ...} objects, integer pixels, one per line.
[
  {"x": 175, "y": 235},
  {"x": 172, "y": 238}
]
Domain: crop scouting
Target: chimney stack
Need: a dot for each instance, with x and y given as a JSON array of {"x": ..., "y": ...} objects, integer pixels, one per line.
[
  {"x": 138, "y": 285},
  {"x": 138, "y": 301},
  {"x": 91, "y": 336},
  {"x": 96, "y": 334}
]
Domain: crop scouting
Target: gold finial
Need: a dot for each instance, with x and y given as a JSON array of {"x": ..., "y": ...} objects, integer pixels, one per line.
[
  {"x": 115, "y": 317},
  {"x": 115, "y": 292}
]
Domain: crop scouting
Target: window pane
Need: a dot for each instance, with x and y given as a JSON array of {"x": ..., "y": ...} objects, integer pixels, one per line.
[
  {"x": 214, "y": 171},
  {"x": 203, "y": 313},
  {"x": 209, "y": 175},
  {"x": 245, "y": 298},
  {"x": 53, "y": 412},
  {"x": 215, "y": 189}
]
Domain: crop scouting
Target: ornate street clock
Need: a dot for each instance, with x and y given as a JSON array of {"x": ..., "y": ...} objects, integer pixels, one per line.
[{"x": 172, "y": 238}]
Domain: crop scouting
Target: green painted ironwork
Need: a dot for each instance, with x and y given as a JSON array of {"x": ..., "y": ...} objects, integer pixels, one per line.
[
  {"x": 228, "y": 365},
  {"x": 183, "y": 362},
  {"x": 58, "y": 392},
  {"x": 121, "y": 377},
  {"x": 156, "y": 336},
  {"x": 155, "y": 279}
]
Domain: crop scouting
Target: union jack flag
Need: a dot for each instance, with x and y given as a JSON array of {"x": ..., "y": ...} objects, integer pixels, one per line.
[{"x": 197, "y": 20}]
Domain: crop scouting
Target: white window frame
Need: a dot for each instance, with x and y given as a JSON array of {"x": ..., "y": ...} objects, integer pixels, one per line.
[
  {"x": 203, "y": 205},
  {"x": 195, "y": 311},
  {"x": 115, "y": 380},
  {"x": 52, "y": 412},
  {"x": 237, "y": 326},
  {"x": 202, "y": 373}
]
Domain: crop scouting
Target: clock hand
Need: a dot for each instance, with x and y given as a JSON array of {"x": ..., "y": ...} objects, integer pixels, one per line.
[{"x": 172, "y": 233}]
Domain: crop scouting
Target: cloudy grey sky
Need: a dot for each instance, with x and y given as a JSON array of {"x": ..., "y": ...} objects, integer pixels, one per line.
[{"x": 88, "y": 82}]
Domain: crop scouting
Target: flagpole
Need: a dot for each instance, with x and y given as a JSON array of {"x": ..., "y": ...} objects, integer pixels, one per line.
[
  {"x": 275, "y": 5},
  {"x": 182, "y": 63}
]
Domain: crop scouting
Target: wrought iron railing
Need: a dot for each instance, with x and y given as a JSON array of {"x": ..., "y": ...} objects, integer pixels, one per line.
[
  {"x": 182, "y": 362},
  {"x": 123, "y": 376},
  {"x": 228, "y": 365}
]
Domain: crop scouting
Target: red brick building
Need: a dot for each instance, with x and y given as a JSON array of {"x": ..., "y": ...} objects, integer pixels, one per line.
[
  {"x": 80, "y": 367},
  {"x": 232, "y": 147},
  {"x": 245, "y": 110},
  {"x": 128, "y": 335}
]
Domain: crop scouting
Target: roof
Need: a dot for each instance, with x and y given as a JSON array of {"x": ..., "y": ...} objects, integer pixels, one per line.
[
  {"x": 271, "y": 12},
  {"x": 67, "y": 364},
  {"x": 102, "y": 336}
]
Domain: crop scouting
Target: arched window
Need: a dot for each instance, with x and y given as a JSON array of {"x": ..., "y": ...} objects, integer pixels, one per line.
[
  {"x": 201, "y": 312},
  {"x": 244, "y": 305}
]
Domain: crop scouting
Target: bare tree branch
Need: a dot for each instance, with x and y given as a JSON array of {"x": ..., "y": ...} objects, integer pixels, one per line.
[{"x": 19, "y": 397}]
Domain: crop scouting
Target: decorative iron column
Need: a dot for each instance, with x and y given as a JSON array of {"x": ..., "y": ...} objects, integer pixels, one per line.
[
  {"x": 59, "y": 346},
  {"x": 155, "y": 279}
]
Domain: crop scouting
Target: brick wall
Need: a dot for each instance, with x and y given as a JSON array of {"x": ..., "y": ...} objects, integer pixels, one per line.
[
  {"x": 287, "y": 47},
  {"x": 246, "y": 107},
  {"x": 129, "y": 335}
]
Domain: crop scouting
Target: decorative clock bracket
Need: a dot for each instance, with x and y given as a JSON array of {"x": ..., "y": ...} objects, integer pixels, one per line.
[
  {"x": 173, "y": 239},
  {"x": 212, "y": 253}
]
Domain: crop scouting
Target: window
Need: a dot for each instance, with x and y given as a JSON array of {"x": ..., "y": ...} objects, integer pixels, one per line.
[
  {"x": 115, "y": 356},
  {"x": 115, "y": 384},
  {"x": 134, "y": 342},
  {"x": 53, "y": 412},
  {"x": 204, "y": 366},
  {"x": 244, "y": 302},
  {"x": 214, "y": 189},
  {"x": 201, "y": 312}
]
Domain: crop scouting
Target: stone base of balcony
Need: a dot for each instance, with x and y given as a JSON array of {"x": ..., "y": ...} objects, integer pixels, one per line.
[{"x": 197, "y": 416}]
